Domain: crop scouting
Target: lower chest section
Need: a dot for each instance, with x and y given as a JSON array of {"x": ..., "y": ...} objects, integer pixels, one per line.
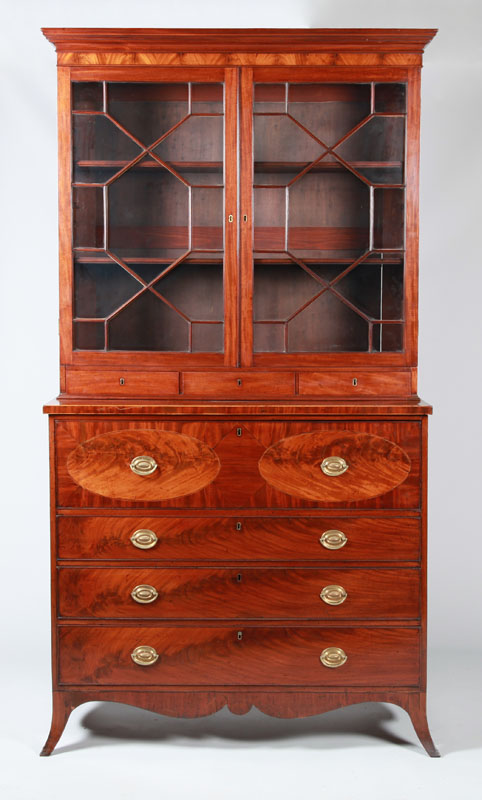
[{"x": 196, "y": 552}]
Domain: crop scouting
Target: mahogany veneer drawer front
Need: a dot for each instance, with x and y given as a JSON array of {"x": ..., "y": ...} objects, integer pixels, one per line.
[
  {"x": 246, "y": 464},
  {"x": 261, "y": 656},
  {"x": 250, "y": 593},
  {"x": 239, "y": 384},
  {"x": 358, "y": 383},
  {"x": 244, "y": 538},
  {"x": 121, "y": 383}
]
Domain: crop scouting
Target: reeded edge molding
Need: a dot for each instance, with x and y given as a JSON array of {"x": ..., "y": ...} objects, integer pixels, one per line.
[{"x": 233, "y": 40}]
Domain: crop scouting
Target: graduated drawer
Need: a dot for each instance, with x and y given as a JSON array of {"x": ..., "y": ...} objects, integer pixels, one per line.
[
  {"x": 250, "y": 593},
  {"x": 237, "y": 464},
  {"x": 238, "y": 538},
  {"x": 256, "y": 656}
]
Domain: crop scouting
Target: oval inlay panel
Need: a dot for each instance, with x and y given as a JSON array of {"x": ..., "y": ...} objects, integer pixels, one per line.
[
  {"x": 375, "y": 466},
  {"x": 102, "y": 464}
]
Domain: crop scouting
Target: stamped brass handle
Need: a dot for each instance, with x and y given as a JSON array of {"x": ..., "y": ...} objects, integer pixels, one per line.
[
  {"x": 144, "y": 593},
  {"x": 144, "y": 539},
  {"x": 333, "y": 595},
  {"x": 143, "y": 465},
  {"x": 144, "y": 655},
  {"x": 333, "y": 466},
  {"x": 333, "y": 539},
  {"x": 333, "y": 657}
]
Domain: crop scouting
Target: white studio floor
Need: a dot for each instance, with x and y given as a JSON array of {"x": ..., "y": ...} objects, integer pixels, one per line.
[{"x": 365, "y": 751}]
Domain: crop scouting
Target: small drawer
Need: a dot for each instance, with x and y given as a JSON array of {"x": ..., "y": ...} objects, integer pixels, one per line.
[
  {"x": 356, "y": 383},
  {"x": 121, "y": 383},
  {"x": 239, "y": 538},
  {"x": 221, "y": 385},
  {"x": 239, "y": 593},
  {"x": 239, "y": 656}
]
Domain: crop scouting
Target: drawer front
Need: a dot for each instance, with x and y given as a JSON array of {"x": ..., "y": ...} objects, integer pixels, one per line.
[
  {"x": 203, "y": 656},
  {"x": 252, "y": 464},
  {"x": 240, "y": 539},
  {"x": 355, "y": 383},
  {"x": 121, "y": 383},
  {"x": 250, "y": 593},
  {"x": 220, "y": 385}
]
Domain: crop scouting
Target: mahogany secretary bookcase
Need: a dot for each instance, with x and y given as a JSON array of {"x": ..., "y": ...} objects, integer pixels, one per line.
[{"x": 238, "y": 451}]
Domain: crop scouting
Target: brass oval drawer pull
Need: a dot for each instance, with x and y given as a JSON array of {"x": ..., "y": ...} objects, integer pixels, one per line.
[
  {"x": 333, "y": 539},
  {"x": 333, "y": 466},
  {"x": 333, "y": 657},
  {"x": 333, "y": 595},
  {"x": 144, "y": 539},
  {"x": 144, "y": 593},
  {"x": 144, "y": 655},
  {"x": 143, "y": 465}
]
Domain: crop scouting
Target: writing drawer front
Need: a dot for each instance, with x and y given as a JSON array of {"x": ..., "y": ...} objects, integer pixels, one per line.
[
  {"x": 239, "y": 538},
  {"x": 228, "y": 464},
  {"x": 249, "y": 593},
  {"x": 257, "y": 656}
]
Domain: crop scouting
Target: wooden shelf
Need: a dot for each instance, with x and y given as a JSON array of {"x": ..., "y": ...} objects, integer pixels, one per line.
[
  {"x": 259, "y": 166},
  {"x": 322, "y": 166},
  {"x": 273, "y": 260},
  {"x": 195, "y": 166}
]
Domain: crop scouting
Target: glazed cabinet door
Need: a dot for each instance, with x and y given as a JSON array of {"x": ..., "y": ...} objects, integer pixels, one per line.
[
  {"x": 324, "y": 166},
  {"x": 153, "y": 217}
]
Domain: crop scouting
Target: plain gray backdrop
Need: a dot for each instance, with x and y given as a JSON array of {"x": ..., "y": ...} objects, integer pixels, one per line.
[{"x": 450, "y": 368}]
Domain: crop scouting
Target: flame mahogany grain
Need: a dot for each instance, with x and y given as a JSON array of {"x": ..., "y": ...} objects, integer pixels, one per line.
[
  {"x": 375, "y": 466},
  {"x": 102, "y": 464},
  {"x": 274, "y": 539},
  {"x": 239, "y": 593},
  {"x": 275, "y": 656}
]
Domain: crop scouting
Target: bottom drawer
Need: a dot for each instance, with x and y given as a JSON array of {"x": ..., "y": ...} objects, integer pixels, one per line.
[{"x": 250, "y": 656}]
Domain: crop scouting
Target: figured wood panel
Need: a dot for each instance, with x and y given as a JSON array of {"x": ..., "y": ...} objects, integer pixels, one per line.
[
  {"x": 243, "y": 539},
  {"x": 239, "y": 483},
  {"x": 102, "y": 464},
  {"x": 249, "y": 593},
  {"x": 200, "y": 656},
  {"x": 143, "y": 59},
  {"x": 375, "y": 466}
]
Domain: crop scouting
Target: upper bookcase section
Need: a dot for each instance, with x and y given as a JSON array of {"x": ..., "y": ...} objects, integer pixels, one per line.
[
  {"x": 238, "y": 212},
  {"x": 240, "y": 47}
]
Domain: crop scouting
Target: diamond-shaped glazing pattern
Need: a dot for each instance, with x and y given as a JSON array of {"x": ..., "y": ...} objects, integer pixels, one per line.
[
  {"x": 329, "y": 216},
  {"x": 148, "y": 191}
]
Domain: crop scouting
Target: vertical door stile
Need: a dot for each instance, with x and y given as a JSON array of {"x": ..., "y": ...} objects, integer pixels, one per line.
[
  {"x": 231, "y": 269},
  {"x": 64, "y": 101},
  {"x": 246, "y": 188},
  {"x": 412, "y": 160}
]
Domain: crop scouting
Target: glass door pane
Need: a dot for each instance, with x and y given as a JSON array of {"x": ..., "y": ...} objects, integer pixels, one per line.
[
  {"x": 148, "y": 213},
  {"x": 329, "y": 208}
]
